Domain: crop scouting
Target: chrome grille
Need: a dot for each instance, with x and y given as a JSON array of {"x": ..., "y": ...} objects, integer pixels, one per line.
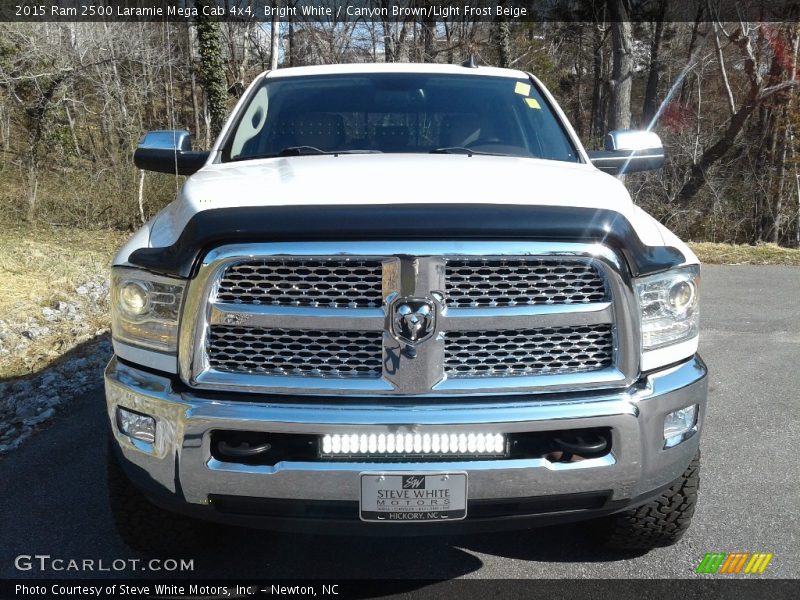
[
  {"x": 321, "y": 318},
  {"x": 314, "y": 281},
  {"x": 295, "y": 353},
  {"x": 545, "y": 350},
  {"x": 489, "y": 282}
]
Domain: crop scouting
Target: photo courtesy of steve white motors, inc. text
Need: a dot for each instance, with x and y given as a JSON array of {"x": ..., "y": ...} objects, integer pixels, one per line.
[{"x": 141, "y": 590}]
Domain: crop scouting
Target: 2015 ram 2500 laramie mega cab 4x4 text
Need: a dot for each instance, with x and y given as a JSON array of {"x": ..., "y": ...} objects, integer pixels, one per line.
[{"x": 404, "y": 298}]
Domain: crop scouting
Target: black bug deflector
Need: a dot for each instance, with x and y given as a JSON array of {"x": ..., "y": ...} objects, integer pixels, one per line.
[{"x": 214, "y": 227}]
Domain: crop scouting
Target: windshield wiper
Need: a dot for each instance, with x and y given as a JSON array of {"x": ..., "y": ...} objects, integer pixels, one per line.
[
  {"x": 304, "y": 151},
  {"x": 300, "y": 151},
  {"x": 464, "y": 150}
]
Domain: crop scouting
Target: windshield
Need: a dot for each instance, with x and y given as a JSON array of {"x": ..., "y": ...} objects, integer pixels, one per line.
[{"x": 398, "y": 112}]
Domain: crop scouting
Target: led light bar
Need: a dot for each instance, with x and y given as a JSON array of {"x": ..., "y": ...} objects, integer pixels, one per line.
[{"x": 422, "y": 444}]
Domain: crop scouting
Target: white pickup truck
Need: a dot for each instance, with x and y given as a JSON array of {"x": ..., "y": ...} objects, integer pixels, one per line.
[{"x": 402, "y": 298}]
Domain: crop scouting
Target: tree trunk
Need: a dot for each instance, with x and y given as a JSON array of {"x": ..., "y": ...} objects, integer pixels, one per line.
[
  {"x": 650, "y": 104},
  {"x": 388, "y": 40},
  {"x": 212, "y": 69},
  {"x": 578, "y": 113},
  {"x": 429, "y": 38},
  {"x": 792, "y": 104},
  {"x": 448, "y": 36},
  {"x": 619, "y": 112},
  {"x": 502, "y": 37},
  {"x": 780, "y": 175},
  {"x": 686, "y": 85},
  {"x": 33, "y": 188},
  {"x": 596, "y": 121},
  {"x": 193, "y": 84},
  {"x": 290, "y": 42},
  {"x": 767, "y": 125},
  {"x": 71, "y": 123},
  {"x": 37, "y": 125},
  {"x": 795, "y": 161}
]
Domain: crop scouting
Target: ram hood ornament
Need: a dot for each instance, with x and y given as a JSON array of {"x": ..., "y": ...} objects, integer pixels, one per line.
[{"x": 412, "y": 320}]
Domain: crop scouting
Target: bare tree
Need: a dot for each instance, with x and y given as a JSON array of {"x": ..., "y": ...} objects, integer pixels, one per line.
[
  {"x": 744, "y": 38},
  {"x": 75, "y": 98},
  {"x": 650, "y": 103}
]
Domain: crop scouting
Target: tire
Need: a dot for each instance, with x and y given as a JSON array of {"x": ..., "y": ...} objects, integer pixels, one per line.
[
  {"x": 142, "y": 525},
  {"x": 660, "y": 522}
]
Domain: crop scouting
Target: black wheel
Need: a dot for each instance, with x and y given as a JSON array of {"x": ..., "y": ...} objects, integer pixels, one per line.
[
  {"x": 142, "y": 525},
  {"x": 660, "y": 522}
]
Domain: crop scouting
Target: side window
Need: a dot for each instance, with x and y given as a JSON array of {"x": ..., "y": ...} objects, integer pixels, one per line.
[{"x": 247, "y": 139}]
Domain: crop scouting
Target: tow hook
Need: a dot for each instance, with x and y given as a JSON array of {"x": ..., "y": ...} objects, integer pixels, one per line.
[
  {"x": 578, "y": 446},
  {"x": 243, "y": 450}
]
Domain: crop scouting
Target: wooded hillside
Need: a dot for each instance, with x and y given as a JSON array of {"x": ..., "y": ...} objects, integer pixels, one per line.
[{"x": 76, "y": 97}]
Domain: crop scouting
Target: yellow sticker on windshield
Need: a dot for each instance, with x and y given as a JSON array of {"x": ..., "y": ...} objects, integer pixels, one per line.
[
  {"x": 522, "y": 88},
  {"x": 533, "y": 103}
]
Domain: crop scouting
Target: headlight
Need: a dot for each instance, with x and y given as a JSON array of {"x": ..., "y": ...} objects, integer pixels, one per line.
[
  {"x": 145, "y": 309},
  {"x": 134, "y": 297},
  {"x": 669, "y": 309}
]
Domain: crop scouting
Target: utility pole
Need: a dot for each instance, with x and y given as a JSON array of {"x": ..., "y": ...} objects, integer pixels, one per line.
[{"x": 273, "y": 57}]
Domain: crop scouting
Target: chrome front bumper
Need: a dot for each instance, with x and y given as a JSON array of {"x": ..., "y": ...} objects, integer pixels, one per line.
[{"x": 179, "y": 465}]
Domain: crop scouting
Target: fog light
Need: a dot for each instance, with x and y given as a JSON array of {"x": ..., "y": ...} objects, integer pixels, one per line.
[
  {"x": 677, "y": 423},
  {"x": 136, "y": 425}
]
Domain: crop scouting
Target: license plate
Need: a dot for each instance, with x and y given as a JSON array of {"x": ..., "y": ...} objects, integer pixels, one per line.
[{"x": 413, "y": 497}]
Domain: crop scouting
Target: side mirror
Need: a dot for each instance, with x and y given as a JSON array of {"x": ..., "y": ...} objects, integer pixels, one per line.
[
  {"x": 168, "y": 152},
  {"x": 629, "y": 151}
]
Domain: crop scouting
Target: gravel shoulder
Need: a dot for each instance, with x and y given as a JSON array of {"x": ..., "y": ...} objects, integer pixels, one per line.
[
  {"x": 54, "y": 322},
  {"x": 28, "y": 403},
  {"x": 55, "y": 293}
]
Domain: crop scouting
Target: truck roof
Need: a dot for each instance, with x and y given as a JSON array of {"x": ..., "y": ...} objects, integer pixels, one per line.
[{"x": 348, "y": 68}]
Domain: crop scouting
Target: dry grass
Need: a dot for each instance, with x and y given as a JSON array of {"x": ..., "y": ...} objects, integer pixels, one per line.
[
  {"x": 40, "y": 266},
  {"x": 732, "y": 254}
]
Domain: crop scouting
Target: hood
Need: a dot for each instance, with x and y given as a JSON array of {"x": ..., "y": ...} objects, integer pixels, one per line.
[{"x": 377, "y": 179}]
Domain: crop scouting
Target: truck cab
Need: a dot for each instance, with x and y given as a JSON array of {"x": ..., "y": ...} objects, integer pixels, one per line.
[{"x": 403, "y": 298}]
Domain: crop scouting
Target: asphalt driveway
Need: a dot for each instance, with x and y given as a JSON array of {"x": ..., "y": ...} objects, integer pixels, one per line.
[{"x": 53, "y": 498}]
